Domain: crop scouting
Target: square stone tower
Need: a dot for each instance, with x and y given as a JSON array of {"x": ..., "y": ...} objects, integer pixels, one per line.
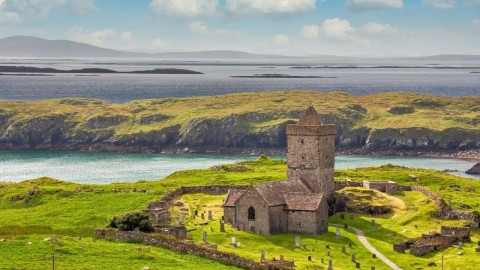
[{"x": 311, "y": 152}]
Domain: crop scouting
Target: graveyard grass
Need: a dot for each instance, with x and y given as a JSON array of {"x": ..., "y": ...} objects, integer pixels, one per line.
[{"x": 59, "y": 210}]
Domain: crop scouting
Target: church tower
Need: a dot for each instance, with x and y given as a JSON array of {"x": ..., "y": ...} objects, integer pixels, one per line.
[{"x": 311, "y": 152}]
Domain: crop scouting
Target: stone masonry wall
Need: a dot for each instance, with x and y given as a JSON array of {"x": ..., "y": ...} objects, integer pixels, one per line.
[{"x": 184, "y": 248}]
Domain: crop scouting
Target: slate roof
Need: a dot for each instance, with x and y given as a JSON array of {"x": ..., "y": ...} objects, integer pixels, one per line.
[
  {"x": 273, "y": 192},
  {"x": 232, "y": 197},
  {"x": 310, "y": 118},
  {"x": 304, "y": 202}
]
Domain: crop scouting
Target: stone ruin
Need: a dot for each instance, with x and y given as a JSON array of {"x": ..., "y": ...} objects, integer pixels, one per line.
[
  {"x": 383, "y": 186},
  {"x": 432, "y": 242},
  {"x": 158, "y": 211}
]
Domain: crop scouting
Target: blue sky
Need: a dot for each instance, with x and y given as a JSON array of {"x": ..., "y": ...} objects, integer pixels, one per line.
[{"x": 297, "y": 27}]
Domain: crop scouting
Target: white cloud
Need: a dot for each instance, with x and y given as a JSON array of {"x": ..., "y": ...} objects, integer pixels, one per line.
[
  {"x": 159, "y": 43},
  {"x": 338, "y": 29},
  {"x": 184, "y": 8},
  {"x": 310, "y": 31},
  {"x": 440, "y": 4},
  {"x": 98, "y": 38},
  {"x": 364, "y": 5},
  {"x": 373, "y": 28},
  {"x": 15, "y": 12},
  {"x": 269, "y": 7},
  {"x": 201, "y": 28},
  {"x": 281, "y": 39}
]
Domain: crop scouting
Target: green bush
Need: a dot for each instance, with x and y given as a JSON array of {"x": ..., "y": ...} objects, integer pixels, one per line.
[{"x": 131, "y": 221}]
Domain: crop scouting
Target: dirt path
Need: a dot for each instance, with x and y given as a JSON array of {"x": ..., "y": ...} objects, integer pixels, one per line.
[{"x": 365, "y": 243}]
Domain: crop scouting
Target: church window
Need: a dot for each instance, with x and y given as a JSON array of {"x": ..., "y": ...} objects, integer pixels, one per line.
[
  {"x": 251, "y": 213},
  {"x": 299, "y": 225}
]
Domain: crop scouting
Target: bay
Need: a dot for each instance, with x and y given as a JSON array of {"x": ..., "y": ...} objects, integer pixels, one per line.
[{"x": 102, "y": 168}]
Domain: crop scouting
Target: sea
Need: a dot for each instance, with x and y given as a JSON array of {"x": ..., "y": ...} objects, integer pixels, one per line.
[{"x": 357, "y": 76}]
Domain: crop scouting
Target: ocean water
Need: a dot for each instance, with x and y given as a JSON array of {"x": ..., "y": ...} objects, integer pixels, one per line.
[
  {"x": 446, "y": 78},
  {"x": 93, "y": 167}
]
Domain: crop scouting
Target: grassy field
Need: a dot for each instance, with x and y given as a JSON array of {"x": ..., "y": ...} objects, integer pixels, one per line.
[
  {"x": 69, "y": 211},
  {"x": 431, "y": 112}
]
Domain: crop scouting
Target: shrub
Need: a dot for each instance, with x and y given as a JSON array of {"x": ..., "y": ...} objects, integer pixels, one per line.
[{"x": 132, "y": 221}]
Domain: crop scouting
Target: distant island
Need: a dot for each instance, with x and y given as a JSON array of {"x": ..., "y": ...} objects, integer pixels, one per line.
[
  {"x": 23, "y": 69},
  {"x": 281, "y": 76}
]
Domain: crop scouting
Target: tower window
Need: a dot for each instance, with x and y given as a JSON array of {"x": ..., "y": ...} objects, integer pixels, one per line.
[
  {"x": 251, "y": 213},
  {"x": 299, "y": 225},
  {"x": 303, "y": 158},
  {"x": 301, "y": 141}
]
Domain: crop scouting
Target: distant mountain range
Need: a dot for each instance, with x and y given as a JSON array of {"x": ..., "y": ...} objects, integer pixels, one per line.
[{"x": 26, "y": 46}]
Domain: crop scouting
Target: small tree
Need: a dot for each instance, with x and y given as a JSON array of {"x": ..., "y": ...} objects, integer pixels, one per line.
[{"x": 131, "y": 221}]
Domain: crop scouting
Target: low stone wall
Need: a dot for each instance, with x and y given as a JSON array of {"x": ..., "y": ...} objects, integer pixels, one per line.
[
  {"x": 461, "y": 233},
  {"x": 420, "y": 249},
  {"x": 446, "y": 212},
  {"x": 185, "y": 248},
  {"x": 214, "y": 189},
  {"x": 340, "y": 184}
]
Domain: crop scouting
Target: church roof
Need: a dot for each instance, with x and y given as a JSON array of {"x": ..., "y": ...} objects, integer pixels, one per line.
[
  {"x": 305, "y": 202},
  {"x": 310, "y": 118},
  {"x": 273, "y": 192},
  {"x": 232, "y": 197}
]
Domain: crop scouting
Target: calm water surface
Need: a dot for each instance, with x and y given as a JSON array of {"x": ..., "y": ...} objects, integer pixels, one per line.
[{"x": 87, "y": 167}]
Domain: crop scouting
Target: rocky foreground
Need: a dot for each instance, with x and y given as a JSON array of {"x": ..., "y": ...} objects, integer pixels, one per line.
[{"x": 389, "y": 123}]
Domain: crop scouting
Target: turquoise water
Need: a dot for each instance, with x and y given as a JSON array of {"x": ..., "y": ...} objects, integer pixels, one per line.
[{"x": 90, "y": 167}]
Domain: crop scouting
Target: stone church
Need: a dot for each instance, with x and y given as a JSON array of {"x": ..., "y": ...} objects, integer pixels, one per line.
[{"x": 298, "y": 204}]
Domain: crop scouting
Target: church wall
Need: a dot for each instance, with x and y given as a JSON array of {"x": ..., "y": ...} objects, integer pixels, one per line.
[
  {"x": 302, "y": 222},
  {"x": 322, "y": 218},
  {"x": 278, "y": 219},
  {"x": 251, "y": 198},
  {"x": 229, "y": 214}
]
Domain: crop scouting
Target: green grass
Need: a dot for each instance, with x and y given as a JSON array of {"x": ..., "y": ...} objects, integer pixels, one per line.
[{"x": 67, "y": 211}]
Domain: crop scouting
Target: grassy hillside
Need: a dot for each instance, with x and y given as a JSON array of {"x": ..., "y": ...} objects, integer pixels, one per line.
[
  {"x": 243, "y": 119},
  {"x": 71, "y": 212}
]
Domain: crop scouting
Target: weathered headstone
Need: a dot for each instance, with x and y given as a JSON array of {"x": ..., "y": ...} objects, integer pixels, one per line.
[
  {"x": 330, "y": 265},
  {"x": 372, "y": 268},
  {"x": 374, "y": 255},
  {"x": 351, "y": 216},
  {"x": 322, "y": 260},
  {"x": 337, "y": 232},
  {"x": 177, "y": 221},
  {"x": 327, "y": 246},
  {"x": 281, "y": 258},
  {"x": 342, "y": 216},
  {"x": 304, "y": 246},
  {"x": 196, "y": 212},
  {"x": 344, "y": 250},
  {"x": 233, "y": 241},
  {"x": 478, "y": 243},
  {"x": 353, "y": 257},
  {"x": 345, "y": 226},
  {"x": 350, "y": 244},
  {"x": 262, "y": 255},
  {"x": 210, "y": 216},
  {"x": 372, "y": 222},
  {"x": 357, "y": 265},
  {"x": 328, "y": 253},
  {"x": 310, "y": 258},
  {"x": 204, "y": 236},
  {"x": 477, "y": 249},
  {"x": 460, "y": 244},
  {"x": 222, "y": 226},
  {"x": 297, "y": 241}
]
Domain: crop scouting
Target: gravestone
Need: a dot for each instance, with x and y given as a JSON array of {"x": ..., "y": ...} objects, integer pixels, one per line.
[
  {"x": 304, "y": 246},
  {"x": 338, "y": 232},
  {"x": 357, "y": 265},
  {"x": 460, "y": 244},
  {"x": 196, "y": 212},
  {"x": 353, "y": 257},
  {"x": 310, "y": 258},
  {"x": 222, "y": 226},
  {"x": 374, "y": 255},
  {"x": 297, "y": 241},
  {"x": 262, "y": 255},
  {"x": 238, "y": 244},
  {"x": 477, "y": 249},
  {"x": 202, "y": 216},
  {"x": 204, "y": 236},
  {"x": 281, "y": 258},
  {"x": 342, "y": 216},
  {"x": 351, "y": 216},
  {"x": 194, "y": 216},
  {"x": 372, "y": 268},
  {"x": 322, "y": 260},
  {"x": 372, "y": 222},
  {"x": 177, "y": 221},
  {"x": 327, "y": 246},
  {"x": 478, "y": 243},
  {"x": 233, "y": 241},
  {"x": 210, "y": 216},
  {"x": 350, "y": 244},
  {"x": 330, "y": 265},
  {"x": 345, "y": 226},
  {"x": 344, "y": 250},
  {"x": 328, "y": 253}
]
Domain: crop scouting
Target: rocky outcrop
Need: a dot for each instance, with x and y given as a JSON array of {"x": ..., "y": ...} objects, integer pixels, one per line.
[
  {"x": 475, "y": 169},
  {"x": 105, "y": 121},
  {"x": 401, "y": 110}
]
